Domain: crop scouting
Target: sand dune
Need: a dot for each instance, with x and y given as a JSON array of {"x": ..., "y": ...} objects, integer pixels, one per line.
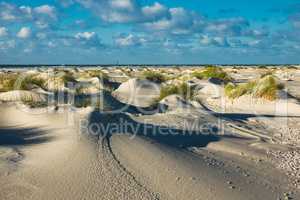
[
  {"x": 22, "y": 95},
  {"x": 60, "y": 163},
  {"x": 137, "y": 92},
  {"x": 193, "y": 149}
]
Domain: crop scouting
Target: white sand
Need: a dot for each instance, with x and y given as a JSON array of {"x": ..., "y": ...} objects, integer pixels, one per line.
[{"x": 141, "y": 93}]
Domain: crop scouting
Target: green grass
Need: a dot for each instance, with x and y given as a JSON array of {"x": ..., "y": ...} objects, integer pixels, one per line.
[
  {"x": 262, "y": 67},
  {"x": 234, "y": 91},
  {"x": 99, "y": 74},
  {"x": 67, "y": 78},
  {"x": 10, "y": 82},
  {"x": 291, "y": 67},
  {"x": 212, "y": 72},
  {"x": 156, "y": 77},
  {"x": 182, "y": 89},
  {"x": 29, "y": 81},
  {"x": 7, "y": 82},
  {"x": 266, "y": 87},
  {"x": 268, "y": 73},
  {"x": 33, "y": 104}
]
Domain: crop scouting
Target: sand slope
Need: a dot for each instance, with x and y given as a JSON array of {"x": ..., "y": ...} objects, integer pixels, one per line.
[{"x": 59, "y": 163}]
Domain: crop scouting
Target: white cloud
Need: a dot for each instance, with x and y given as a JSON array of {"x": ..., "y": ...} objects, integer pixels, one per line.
[
  {"x": 85, "y": 35},
  {"x": 129, "y": 40},
  {"x": 180, "y": 21},
  {"x": 26, "y": 10},
  {"x": 124, "y": 11},
  {"x": 123, "y": 4},
  {"x": 214, "y": 41},
  {"x": 46, "y": 10},
  {"x": 42, "y": 16},
  {"x": 7, "y": 11},
  {"x": 157, "y": 10},
  {"x": 5, "y": 45},
  {"x": 88, "y": 40},
  {"x": 24, "y": 33},
  {"x": 232, "y": 26},
  {"x": 3, "y": 31}
]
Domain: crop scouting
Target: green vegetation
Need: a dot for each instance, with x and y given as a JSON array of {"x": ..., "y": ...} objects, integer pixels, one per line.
[
  {"x": 9, "y": 82},
  {"x": 127, "y": 72},
  {"x": 29, "y": 81},
  {"x": 67, "y": 78},
  {"x": 212, "y": 72},
  {"x": 156, "y": 77},
  {"x": 266, "y": 87},
  {"x": 182, "y": 89},
  {"x": 99, "y": 74},
  {"x": 262, "y": 67},
  {"x": 268, "y": 73},
  {"x": 292, "y": 67},
  {"x": 33, "y": 104},
  {"x": 234, "y": 91}
]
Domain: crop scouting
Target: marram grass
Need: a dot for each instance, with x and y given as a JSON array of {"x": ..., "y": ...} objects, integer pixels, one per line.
[
  {"x": 212, "y": 72},
  {"x": 265, "y": 87}
]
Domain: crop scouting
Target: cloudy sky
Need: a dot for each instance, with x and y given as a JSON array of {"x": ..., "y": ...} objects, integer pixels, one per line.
[{"x": 149, "y": 32}]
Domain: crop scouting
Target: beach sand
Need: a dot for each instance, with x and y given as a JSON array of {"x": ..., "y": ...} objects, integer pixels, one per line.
[{"x": 57, "y": 162}]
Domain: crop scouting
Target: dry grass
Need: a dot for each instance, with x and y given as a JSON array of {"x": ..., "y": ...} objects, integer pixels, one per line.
[
  {"x": 212, "y": 72},
  {"x": 182, "y": 89},
  {"x": 9, "y": 82},
  {"x": 156, "y": 77},
  {"x": 266, "y": 87}
]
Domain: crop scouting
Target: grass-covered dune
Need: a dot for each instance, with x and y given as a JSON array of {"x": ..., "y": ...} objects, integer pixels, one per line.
[
  {"x": 266, "y": 87},
  {"x": 212, "y": 72}
]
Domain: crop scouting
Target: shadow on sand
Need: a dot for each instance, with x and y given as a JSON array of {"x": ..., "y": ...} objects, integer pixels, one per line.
[
  {"x": 240, "y": 117},
  {"x": 104, "y": 125},
  {"x": 22, "y": 136}
]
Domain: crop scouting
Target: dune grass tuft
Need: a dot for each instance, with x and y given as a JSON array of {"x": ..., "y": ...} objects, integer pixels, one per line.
[
  {"x": 234, "y": 91},
  {"x": 212, "y": 72},
  {"x": 266, "y": 87},
  {"x": 9, "y": 82},
  {"x": 183, "y": 89},
  {"x": 68, "y": 78},
  {"x": 30, "y": 81},
  {"x": 156, "y": 77},
  {"x": 99, "y": 74}
]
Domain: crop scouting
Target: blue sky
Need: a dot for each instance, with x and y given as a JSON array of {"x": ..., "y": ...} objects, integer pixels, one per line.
[{"x": 149, "y": 32}]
